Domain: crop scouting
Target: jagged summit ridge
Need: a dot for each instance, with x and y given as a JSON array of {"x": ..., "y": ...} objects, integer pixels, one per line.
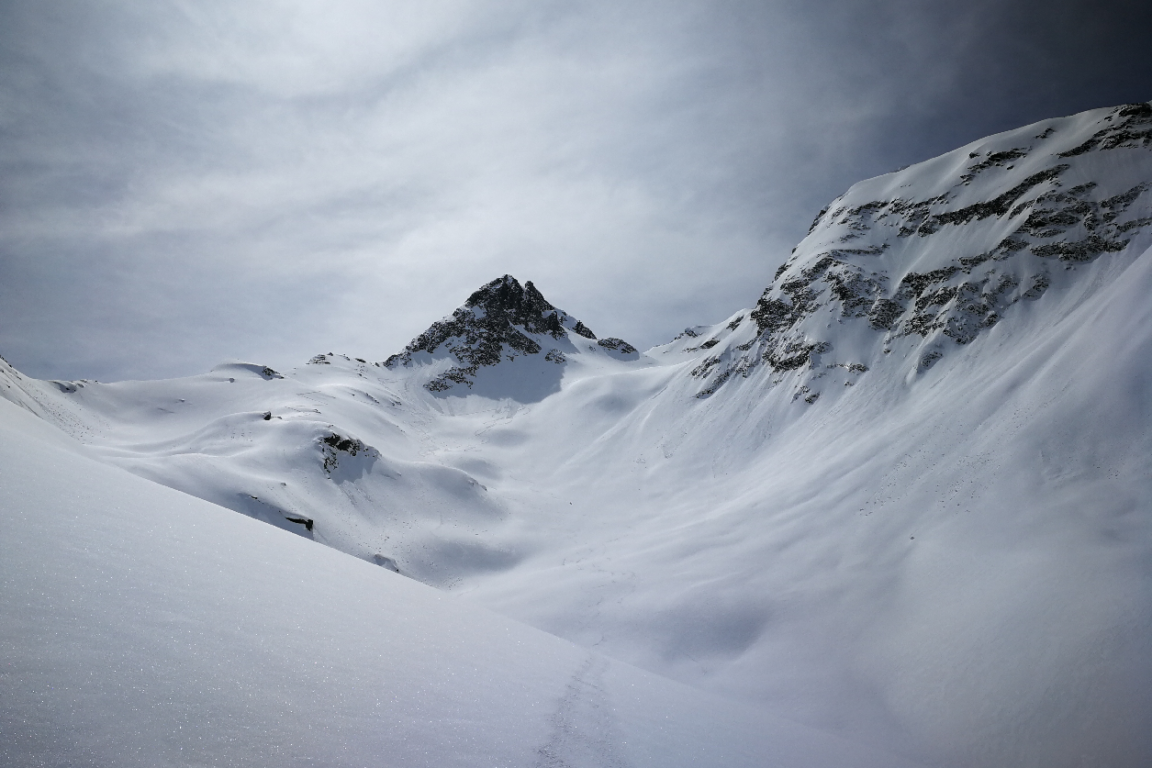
[
  {"x": 930, "y": 257},
  {"x": 501, "y": 321},
  {"x": 526, "y": 307}
]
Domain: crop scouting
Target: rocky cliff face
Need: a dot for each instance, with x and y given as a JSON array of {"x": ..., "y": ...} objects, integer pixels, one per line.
[
  {"x": 501, "y": 321},
  {"x": 930, "y": 257}
]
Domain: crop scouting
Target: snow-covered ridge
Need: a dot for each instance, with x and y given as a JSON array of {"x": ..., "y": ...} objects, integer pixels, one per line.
[{"x": 926, "y": 259}]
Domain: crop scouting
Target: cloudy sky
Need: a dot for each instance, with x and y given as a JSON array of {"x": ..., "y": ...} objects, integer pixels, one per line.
[{"x": 186, "y": 182}]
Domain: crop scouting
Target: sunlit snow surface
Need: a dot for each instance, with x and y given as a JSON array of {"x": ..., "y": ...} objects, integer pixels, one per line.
[{"x": 907, "y": 498}]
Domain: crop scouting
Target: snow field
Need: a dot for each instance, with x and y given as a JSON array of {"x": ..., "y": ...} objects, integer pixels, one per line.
[{"x": 141, "y": 626}]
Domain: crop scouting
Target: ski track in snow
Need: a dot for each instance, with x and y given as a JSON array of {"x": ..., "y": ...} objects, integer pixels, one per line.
[{"x": 585, "y": 733}]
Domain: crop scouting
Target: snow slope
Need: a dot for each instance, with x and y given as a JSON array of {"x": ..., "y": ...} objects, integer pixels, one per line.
[
  {"x": 144, "y": 627},
  {"x": 904, "y": 498}
]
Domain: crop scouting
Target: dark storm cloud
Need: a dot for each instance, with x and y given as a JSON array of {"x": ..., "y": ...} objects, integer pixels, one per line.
[{"x": 180, "y": 183}]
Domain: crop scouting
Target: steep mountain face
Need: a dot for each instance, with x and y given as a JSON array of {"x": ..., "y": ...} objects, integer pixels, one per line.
[
  {"x": 904, "y": 497},
  {"x": 919, "y": 262}
]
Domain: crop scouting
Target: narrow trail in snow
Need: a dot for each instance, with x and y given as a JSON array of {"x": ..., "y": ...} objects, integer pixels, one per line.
[{"x": 584, "y": 727}]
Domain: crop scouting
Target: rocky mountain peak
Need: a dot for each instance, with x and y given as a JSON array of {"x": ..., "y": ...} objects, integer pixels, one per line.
[
  {"x": 502, "y": 320},
  {"x": 525, "y": 306}
]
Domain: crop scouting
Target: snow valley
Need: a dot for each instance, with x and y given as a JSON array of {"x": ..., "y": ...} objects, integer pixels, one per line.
[{"x": 901, "y": 506}]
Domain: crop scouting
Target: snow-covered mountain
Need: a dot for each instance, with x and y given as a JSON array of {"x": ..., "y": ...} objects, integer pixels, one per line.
[
  {"x": 919, "y": 262},
  {"x": 905, "y": 498}
]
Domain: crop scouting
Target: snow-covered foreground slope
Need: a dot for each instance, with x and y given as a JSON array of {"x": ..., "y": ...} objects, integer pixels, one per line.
[
  {"x": 907, "y": 497},
  {"x": 144, "y": 627}
]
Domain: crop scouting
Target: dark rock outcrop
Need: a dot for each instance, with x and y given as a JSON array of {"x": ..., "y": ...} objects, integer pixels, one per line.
[{"x": 333, "y": 444}]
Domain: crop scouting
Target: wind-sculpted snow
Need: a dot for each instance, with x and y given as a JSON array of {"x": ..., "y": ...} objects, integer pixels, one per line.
[{"x": 903, "y": 498}]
